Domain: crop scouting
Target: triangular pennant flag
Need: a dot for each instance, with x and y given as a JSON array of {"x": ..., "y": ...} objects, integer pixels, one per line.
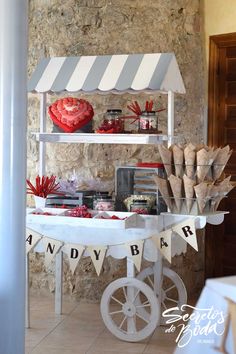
[
  {"x": 74, "y": 253},
  {"x": 187, "y": 231},
  {"x": 51, "y": 247},
  {"x": 32, "y": 238},
  {"x": 97, "y": 254},
  {"x": 163, "y": 242},
  {"x": 135, "y": 250}
]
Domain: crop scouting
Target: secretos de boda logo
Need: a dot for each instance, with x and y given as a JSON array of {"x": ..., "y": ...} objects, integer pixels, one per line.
[{"x": 201, "y": 322}]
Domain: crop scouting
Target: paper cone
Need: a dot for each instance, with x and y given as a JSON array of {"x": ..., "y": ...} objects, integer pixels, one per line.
[
  {"x": 163, "y": 187},
  {"x": 189, "y": 192},
  {"x": 224, "y": 188},
  {"x": 220, "y": 161},
  {"x": 203, "y": 164},
  {"x": 178, "y": 155},
  {"x": 190, "y": 157},
  {"x": 201, "y": 191},
  {"x": 176, "y": 187},
  {"x": 166, "y": 156},
  {"x": 213, "y": 153}
]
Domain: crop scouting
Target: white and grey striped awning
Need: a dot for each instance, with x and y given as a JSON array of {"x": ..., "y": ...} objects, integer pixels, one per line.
[{"x": 108, "y": 73}]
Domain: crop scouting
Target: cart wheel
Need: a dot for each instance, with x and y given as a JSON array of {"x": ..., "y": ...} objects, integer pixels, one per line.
[
  {"x": 122, "y": 314},
  {"x": 173, "y": 292}
]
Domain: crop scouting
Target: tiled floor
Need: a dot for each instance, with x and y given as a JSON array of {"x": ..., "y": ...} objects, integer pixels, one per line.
[{"x": 81, "y": 330}]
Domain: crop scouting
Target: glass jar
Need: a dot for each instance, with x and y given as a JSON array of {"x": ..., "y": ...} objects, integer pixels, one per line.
[
  {"x": 148, "y": 122},
  {"x": 140, "y": 206},
  {"x": 113, "y": 121},
  {"x": 103, "y": 203}
]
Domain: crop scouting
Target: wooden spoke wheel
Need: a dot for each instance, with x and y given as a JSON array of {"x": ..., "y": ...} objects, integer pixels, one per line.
[
  {"x": 122, "y": 313},
  {"x": 173, "y": 292}
]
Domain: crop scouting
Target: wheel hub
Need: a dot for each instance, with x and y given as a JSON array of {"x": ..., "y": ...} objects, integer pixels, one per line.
[{"x": 129, "y": 309}]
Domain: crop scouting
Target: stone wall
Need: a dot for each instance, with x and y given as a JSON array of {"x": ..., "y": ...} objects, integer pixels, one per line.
[{"x": 96, "y": 27}]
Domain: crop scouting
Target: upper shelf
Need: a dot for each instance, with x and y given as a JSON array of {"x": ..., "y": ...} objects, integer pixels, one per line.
[
  {"x": 103, "y": 74},
  {"x": 93, "y": 138}
]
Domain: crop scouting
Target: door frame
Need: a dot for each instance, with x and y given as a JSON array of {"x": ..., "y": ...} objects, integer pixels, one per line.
[
  {"x": 215, "y": 234},
  {"x": 216, "y": 43}
]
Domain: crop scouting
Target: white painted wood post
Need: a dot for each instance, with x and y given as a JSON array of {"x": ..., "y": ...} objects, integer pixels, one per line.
[
  {"x": 171, "y": 120},
  {"x": 42, "y": 145},
  {"x": 27, "y": 293},
  {"x": 59, "y": 282},
  {"x": 131, "y": 322},
  {"x": 13, "y": 111}
]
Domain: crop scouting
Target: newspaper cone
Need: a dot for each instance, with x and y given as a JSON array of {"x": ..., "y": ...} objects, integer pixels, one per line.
[
  {"x": 212, "y": 156},
  {"x": 189, "y": 191},
  {"x": 223, "y": 189},
  {"x": 178, "y": 155},
  {"x": 220, "y": 161},
  {"x": 176, "y": 187},
  {"x": 166, "y": 156},
  {"x": 201, "y": 191},
  {"x": 190, "y": 157},
  {"x": 163, "y": 187},
  {"x": 204, "y": 162}
]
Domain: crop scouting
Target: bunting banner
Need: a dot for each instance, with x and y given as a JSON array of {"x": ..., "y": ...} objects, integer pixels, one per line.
[
  {"x": 51, "y": 248},
  {"x": 32, "y": 238},
  {"x": 187, "y": 231},
  {"x": 74, "y": 253},
  {"x": 163, "y": 243},
  {"x": 135, "y": 250},
  {"x": 97, "y": 254}
]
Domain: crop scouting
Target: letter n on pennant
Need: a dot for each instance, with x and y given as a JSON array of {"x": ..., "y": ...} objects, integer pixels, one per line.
[{"x": 51, "y": 248}]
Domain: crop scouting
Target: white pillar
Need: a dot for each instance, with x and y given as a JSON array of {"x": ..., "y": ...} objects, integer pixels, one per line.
[
  {"x": 171, "y": 120},
  {"x": 13, "y": 105}
]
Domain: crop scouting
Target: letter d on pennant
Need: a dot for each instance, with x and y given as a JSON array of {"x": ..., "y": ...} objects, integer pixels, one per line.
[{"x": 74, "y": 253}]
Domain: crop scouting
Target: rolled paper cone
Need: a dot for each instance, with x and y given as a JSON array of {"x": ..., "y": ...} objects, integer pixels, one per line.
[
  {"x": 190, "y": 157},
  {"x": 220, "y": 161},
  {"x": 201, "y": 191},
  {"x": 176, "y": 187},
  {"x": 203, "y": 164},
  {"x": 166, "y": 156},
  {"x": 163, "y": 187},
  {"x": 189, "y": 191},
  {"x": 212, "y": 156},
  {"x": 178, "y": 156}
]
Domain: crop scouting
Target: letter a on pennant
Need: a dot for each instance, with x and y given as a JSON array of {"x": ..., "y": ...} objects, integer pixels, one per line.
[
  {"x": 187, "y": 231},
  {"x": 32, "y": 238},
  {"x": 51, "y": 247},
  {"x": 97, "y": 254},
  {"x": 135, "y": 252},
  {"x": 163, "y": 242},
  {"x": 74, "y": 253}
]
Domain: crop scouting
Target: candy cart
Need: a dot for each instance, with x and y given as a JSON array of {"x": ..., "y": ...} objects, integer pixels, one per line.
[{"x": 132, "y": 306}]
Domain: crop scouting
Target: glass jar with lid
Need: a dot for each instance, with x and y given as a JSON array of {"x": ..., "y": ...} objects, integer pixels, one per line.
[
  {"x": 103, "y": 202},
  {"x": 148, "y": 122},
  {"x": 140, "y": 206},
  {"x": 113, "y": 121}
]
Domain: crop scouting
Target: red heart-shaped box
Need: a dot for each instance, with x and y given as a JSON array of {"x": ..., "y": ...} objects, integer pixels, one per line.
[{"x": 71, "y": 114}]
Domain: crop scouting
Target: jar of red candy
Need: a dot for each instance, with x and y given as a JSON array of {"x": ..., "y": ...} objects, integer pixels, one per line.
[
  {"x": 140, "y": 206},
  {"x": 148, "y": 122},
  {"x": 103, "y": 203},
  {"x": 112, "y": 122}
]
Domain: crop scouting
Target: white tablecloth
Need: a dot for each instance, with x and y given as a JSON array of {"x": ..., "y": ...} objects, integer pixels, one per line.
[{"x": 212, "y": 296}]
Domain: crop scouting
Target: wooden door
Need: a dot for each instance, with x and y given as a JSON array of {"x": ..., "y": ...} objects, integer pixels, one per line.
[{"x": 221, "y": 240}]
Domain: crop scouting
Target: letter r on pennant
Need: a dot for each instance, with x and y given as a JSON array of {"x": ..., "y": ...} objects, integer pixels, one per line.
[{"x": 187, "y": 231}]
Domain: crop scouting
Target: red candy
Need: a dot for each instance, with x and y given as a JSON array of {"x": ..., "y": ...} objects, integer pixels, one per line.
[{"x": 79, "y": 212}]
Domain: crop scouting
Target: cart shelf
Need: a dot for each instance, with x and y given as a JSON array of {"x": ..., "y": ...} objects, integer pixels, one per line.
[{"x": 93, "y": 138}]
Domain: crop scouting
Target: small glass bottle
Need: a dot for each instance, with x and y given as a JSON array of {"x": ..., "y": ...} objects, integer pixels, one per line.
[
  {"x": 148, "y": 123},
  {"x": 140, "y": 206},
  {"x": 112, "y": 120}
]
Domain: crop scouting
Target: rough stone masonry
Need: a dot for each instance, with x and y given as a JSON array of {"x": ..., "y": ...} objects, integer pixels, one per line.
[{"x": 97, "y": 27}]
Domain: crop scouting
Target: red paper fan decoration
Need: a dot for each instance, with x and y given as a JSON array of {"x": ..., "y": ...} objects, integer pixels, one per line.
[{"x": 71, "y": 114}]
